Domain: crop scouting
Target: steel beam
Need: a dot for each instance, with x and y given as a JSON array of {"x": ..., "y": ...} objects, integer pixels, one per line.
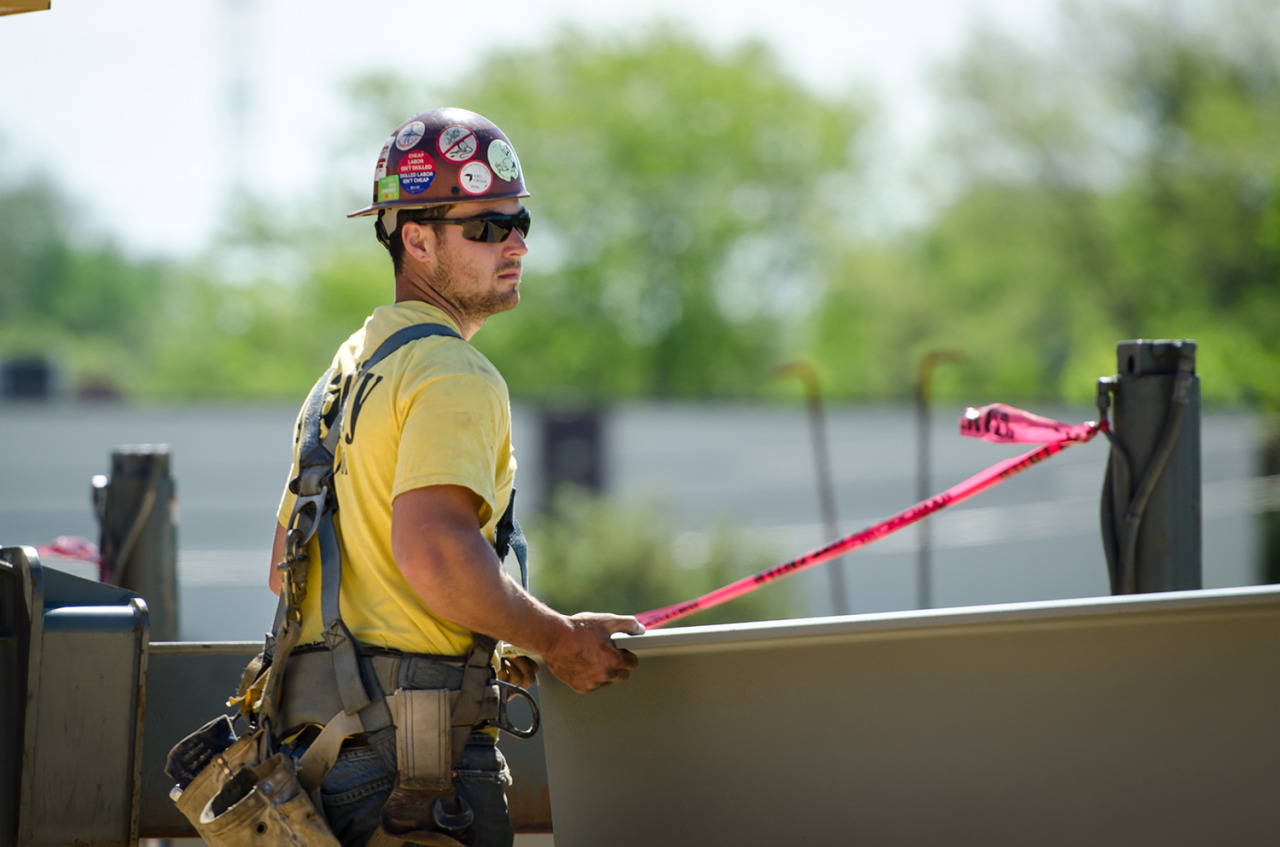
[{"x": 1121, "y": 720}]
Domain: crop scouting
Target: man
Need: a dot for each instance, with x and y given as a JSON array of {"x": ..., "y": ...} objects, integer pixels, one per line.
[{"x": 424, "y": 471}]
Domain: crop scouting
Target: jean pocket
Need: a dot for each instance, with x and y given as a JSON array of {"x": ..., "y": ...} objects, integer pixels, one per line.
[{"x": 356, "y": 775}]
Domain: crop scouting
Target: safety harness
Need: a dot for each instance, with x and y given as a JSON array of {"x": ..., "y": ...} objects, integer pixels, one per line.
[{"x": 417, "y": 732}]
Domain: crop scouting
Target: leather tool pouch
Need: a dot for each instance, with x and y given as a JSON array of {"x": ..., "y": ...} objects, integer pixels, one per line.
[
  {"x": 263, "y": 805},
  {"x": 241, "y": 796}
]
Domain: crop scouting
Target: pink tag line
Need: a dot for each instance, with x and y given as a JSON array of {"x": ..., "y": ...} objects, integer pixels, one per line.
[
  {"x": 975, "y": 484},
  {"x": 1007, "y": 425},
  {"x": 71, "y": 547}
]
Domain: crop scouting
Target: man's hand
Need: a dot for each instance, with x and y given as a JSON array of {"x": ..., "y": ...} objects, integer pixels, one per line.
[
  {"x": 585, "y": 659},
  {"x": 518, "y": 670}
]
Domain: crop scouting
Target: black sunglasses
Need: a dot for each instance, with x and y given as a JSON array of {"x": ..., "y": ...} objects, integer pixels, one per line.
[{"x": 489, "y": 228}]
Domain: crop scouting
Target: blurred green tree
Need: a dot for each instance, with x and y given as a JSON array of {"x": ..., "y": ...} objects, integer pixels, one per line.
[
  {"x": 68, "y": 296},
  {"x": 691, "y": 227},
  {"x": 591, "y": 552},
  {"x": 679, "y": 200},
  {"x": 1121, "y": 183}
]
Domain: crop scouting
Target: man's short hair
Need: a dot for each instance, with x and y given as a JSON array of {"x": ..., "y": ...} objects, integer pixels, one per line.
[{"x": 396, "y": 244}]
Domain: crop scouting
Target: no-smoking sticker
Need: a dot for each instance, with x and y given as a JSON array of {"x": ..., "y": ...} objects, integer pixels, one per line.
[{"x": 457, "y": 143}]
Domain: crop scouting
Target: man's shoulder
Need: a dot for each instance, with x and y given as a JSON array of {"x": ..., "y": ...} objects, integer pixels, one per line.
[
  {"x": 439, "y": 360},
  {"x": 431, "y": 357},
  {"x": 387, "y": 320}
]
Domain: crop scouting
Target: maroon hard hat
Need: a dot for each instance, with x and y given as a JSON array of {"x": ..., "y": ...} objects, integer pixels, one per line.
[{"x": 444, "y": 156}]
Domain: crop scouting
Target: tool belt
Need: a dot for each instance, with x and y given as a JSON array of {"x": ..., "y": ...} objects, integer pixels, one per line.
[
  {"x": 241, "y": 791},
  {"x": 238, "y": 791},
  {"x": 310, "y": 697},
  {"x": 310, "y": 694}
]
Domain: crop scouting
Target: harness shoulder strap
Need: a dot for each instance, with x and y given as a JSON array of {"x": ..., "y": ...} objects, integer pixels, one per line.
[
  {"x": 358, "y": 687},
  {"x": 313, "y": 517}
]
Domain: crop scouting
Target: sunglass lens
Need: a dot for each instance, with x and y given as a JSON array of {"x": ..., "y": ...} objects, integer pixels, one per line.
[
  {"x": 478, "y": 231},
  {"x": 496, "y": 228}
]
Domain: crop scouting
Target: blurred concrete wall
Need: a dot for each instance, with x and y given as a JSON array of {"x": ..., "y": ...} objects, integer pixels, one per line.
[{"x": 1034, "y": 537}]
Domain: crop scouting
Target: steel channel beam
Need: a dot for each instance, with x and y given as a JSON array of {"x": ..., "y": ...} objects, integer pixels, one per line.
[{"x": 1118, "y": 720}]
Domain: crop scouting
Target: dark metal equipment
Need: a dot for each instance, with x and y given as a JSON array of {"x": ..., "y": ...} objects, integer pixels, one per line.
[
  {"x": 138, "y": 536},
  {"x": 73, "y": 676},
  {"x": 1151, "y": 508}
]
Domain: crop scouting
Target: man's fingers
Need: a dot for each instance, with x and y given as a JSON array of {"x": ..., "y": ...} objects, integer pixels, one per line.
[
  {"x": 627, "y": 625},
  {"x": 519, "y": 670},
  {"x": 616, "y": 676}
]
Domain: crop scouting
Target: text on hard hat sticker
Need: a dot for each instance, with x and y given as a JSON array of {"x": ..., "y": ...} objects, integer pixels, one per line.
[
  {"x": 388, "y": 188},
  {"x": 475, "y": 177},
  {"x": 417, "y": 171},
  {"x": 381, "y": 170}
]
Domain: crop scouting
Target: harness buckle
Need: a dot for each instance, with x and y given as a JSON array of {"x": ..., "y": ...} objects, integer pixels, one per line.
[{"x": 304, "y": 522}]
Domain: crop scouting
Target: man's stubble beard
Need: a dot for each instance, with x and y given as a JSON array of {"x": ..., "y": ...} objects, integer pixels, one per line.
[{"x": 471, "y": 305}]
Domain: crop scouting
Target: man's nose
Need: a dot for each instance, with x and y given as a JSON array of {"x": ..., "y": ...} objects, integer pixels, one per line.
[{"x": 515, "y": 245}]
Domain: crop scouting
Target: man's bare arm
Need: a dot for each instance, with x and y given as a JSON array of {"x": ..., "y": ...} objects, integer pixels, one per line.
[
  {"x": 438, "y": 546},
  {"x": 274, "y": 579}
]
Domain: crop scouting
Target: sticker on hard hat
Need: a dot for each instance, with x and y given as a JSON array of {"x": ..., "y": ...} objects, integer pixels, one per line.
[
  {"x": 475, "y": 178},
  {"x": 410, "y": 135},
  {"x": 388, "y": 188},
  {"x": 457, "y": 143},
  {"x": 381, "y": 170},
  {"x": 503, "y": 160},
  {"x": 417, "y": 171}
]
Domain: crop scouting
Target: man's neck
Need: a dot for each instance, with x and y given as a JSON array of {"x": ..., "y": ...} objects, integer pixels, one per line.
[{"x": 408, "y": 290}]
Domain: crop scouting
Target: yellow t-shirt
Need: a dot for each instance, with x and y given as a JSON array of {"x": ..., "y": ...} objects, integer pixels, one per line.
[{"x": 434, "y": 412}]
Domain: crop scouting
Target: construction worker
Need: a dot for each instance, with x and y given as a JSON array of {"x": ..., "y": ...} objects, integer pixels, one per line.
[{"x": 424, "y": 482}]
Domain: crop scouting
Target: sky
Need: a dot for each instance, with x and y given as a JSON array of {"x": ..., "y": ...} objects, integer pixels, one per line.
[{"x": 127, "y": 105}]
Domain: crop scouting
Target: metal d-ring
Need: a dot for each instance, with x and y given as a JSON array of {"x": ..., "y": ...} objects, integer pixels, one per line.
[{"x": 505, "y": 692}]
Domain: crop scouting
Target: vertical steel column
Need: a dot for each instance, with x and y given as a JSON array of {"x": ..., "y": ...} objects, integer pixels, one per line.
[
  {"x": 1157, "y": 512},
  {"x": 138, "y": 537}
]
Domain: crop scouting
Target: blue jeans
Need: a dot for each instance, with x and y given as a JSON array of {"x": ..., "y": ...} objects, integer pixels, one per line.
[{"x": 354, "y": 791}]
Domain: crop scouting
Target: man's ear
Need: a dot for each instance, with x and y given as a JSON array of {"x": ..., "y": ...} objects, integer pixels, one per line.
[{"x": 419, "y": 241}]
